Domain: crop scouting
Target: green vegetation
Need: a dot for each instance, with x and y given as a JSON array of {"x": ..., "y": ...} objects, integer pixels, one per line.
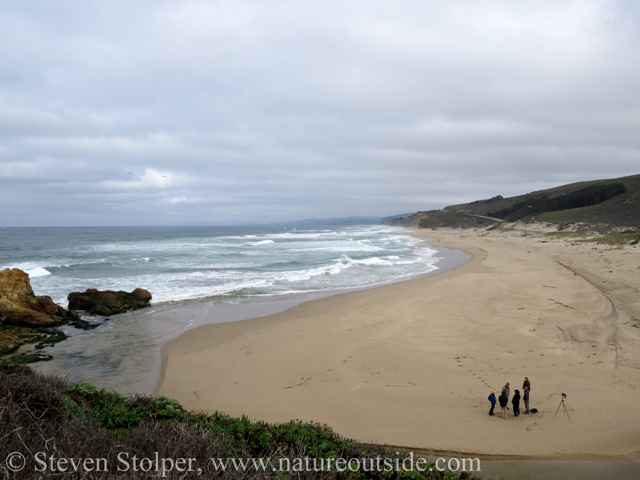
[
  {"x": 443, "y": 219},
  {"x": 80, "y": 421}
]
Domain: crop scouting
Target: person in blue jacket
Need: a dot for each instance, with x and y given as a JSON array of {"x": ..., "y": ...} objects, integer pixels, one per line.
[{"x": 492, "y": 399}]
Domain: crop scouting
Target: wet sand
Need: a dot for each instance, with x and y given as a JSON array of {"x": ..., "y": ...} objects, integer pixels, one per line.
[{"x": 413, "y": 363}]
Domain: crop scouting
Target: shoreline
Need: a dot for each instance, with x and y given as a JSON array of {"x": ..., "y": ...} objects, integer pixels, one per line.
[
  {"x": 194, "y": 348},
  {"x": 249, "y": 309},
  {"x": 136, "y": 366}
]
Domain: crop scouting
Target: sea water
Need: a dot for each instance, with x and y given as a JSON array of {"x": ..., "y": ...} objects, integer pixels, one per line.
[
  {"x": 197, "y": 276},
  {"x": 223, "y": 262}
]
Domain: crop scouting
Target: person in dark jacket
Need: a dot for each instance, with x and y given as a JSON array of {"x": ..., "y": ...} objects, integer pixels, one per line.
[
  {"x": 503, "y": 400},
  {"x": 526, "y": 383},
  {"x": 516, "y": 403},
  {"x": 492, "y": 399}
]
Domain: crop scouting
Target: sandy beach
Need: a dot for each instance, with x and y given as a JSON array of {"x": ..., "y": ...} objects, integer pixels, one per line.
[{"x": 412, "y": 364}]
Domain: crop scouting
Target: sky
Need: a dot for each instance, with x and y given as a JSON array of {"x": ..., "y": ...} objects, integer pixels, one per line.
[{"x": 251, "y": 111}]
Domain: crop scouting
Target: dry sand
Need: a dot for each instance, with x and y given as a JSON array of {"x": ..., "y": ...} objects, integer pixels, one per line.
[{"x": 412, "y": 364}]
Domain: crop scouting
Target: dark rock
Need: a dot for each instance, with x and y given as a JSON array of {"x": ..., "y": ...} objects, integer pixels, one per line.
[{"x": 108, "y": 302}]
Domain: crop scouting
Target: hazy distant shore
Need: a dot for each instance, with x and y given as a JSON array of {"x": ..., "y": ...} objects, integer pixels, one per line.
[{"x": 413, "y": 363}]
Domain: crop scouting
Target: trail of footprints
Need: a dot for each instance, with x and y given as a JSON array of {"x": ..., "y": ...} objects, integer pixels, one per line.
[{"x": 461, "y": 360}]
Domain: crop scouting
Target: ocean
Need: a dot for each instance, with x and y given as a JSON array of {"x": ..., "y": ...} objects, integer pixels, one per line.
[
  {"x": 198, "y": 276},
  {"x": 177, "y": 264}
]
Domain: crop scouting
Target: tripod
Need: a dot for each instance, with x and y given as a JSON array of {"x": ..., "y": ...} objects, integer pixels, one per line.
[{"x": 564, "y": 408}]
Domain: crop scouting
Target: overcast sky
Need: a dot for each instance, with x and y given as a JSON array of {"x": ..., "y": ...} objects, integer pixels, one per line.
[{"x": 224, "y": 112}]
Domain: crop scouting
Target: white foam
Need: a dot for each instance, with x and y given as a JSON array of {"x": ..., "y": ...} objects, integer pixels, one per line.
[
  {"x": 372, "y": 261},
  {"x": 32, "y": 269},
  {"x": 261, "y": 242},
  {"x": 38, "y": 272}
]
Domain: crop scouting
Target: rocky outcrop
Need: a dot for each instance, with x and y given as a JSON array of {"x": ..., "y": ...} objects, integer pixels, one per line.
[
  {"x": 24, "y": 315},
  {"x": 108, "y": 302},
  {"x": 20, "y": 307},
  {"x": 13, "y": 337}
]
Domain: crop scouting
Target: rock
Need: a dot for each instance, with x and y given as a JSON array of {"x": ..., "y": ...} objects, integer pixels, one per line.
[
  {"x": 23, "y": 358},
  {"x": 108, "y": 302},
  {"x": 20, "y": 307},
  {"x": 13, "y": 337}
]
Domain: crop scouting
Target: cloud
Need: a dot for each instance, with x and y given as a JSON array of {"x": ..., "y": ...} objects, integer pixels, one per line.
[
  {"x": 150, "y": 179},
  {"x": 253, "y": 111}
]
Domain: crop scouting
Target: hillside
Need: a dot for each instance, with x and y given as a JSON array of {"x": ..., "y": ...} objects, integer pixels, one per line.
[
  {"x": 439, "y": 219},
  {"x": 614, "y": 202},
  {"x": 610, "y": 201}
]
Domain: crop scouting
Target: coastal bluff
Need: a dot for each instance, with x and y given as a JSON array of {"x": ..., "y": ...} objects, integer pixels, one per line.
[{"x": 20, "y": 307}]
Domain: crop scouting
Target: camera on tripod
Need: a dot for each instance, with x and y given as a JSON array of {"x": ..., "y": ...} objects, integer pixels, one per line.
[{"x": 563, "y": 406}]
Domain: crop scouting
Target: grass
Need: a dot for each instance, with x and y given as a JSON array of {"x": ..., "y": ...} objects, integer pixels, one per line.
[
  {"x": 442, "y": 219},
  {"x": 41, "y": 413}
]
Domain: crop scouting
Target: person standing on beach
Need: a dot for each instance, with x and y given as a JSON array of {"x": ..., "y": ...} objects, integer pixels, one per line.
[
  {"x": 526, "y": 383},
  {"x": 516, "y": 404},
  {"x": 506, "y": 392},
  {"x": 492, "y": 399},
  {"x": 503, "y": 400},
  {"x": 526, "y": 398}
]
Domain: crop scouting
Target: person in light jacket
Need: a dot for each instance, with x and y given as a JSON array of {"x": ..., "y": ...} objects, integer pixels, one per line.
[
  {"x": 506, "y": 390},
  {"x": 525, "y": 397}
]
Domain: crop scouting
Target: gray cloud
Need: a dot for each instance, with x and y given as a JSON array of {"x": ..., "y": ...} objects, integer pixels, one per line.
[{"x": 147, "y": 112}]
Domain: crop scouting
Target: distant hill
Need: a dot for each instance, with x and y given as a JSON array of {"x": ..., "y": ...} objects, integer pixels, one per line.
[
  {"x": 440, "y": 219},
  {"x": 611, "y": 201}
]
